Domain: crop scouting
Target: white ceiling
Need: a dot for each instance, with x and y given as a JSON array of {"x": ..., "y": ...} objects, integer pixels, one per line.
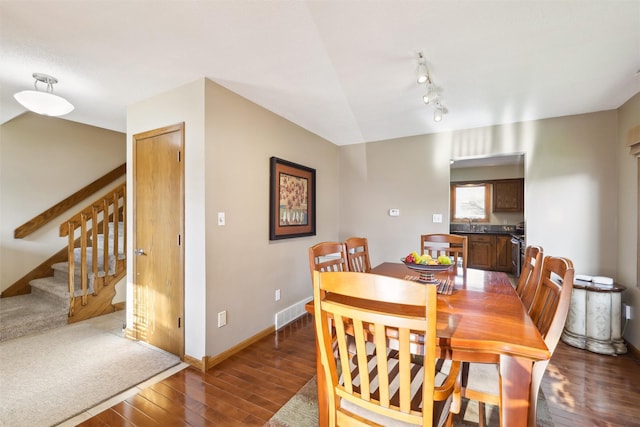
[{"x": 344, "y": 70}]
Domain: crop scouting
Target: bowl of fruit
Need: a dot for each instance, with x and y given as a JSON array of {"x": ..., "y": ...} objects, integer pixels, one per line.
[{"x": 425, "y": 262}]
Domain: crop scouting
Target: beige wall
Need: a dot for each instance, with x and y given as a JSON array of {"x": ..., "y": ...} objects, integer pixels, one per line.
[
  {"x": 183, "y": 104},
  {"x": 570, "y": 186},
  {"x": 244, "y": 268},
  {"x": 235, "y": 267},
  {"x": 43, "y": 160},
  {"x": 627, "y": 250},
  {"x": 409, "y": 174}
]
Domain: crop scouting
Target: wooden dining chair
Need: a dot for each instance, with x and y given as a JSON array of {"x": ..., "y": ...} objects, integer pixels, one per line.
[
  {"x": 481, "y": 382},
  {"x": 358, "y": 254},
  {"x": 383, "y": 383},
  {"x": 451, "y": 245},
  {"x": 530, "y": 275},
  {"x": 328, "y": 256}
]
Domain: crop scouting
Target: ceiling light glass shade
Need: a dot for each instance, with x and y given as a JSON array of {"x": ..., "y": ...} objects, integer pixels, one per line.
[{"x": 44, "y": 103}]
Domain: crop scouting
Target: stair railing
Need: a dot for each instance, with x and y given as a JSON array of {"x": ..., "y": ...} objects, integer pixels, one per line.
[
  {"x": 59, "y": 208},
  {"x": 85, "y": 226}
]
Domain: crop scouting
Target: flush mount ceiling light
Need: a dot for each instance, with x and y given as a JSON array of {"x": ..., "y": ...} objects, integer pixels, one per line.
[
  {"x": 46, "y": 102},
  {"x": 433, "y": 95}
]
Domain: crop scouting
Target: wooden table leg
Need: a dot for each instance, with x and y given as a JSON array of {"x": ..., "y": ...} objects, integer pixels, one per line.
[
  {"x": 515, "y": 383},
  {"x": 323, "y": 407}
]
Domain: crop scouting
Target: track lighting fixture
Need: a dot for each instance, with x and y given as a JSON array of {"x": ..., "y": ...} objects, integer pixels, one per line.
[
  {"x": 45, "y": 103},
  {"x": 433, "y": 94}
]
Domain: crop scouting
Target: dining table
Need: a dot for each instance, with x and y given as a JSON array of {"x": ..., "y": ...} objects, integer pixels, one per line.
[{"x": 479, "y": 319}]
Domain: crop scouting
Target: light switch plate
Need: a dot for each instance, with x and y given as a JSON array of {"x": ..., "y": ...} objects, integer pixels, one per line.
[
  {"x": 222, "y": 318},
  {"x": 221, "y": 218},
  {"x": 394, "y": 212},
  {"x": 437, "y": 218}
]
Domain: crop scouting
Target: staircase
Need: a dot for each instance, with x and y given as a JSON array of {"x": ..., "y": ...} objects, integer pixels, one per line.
[{"x": 67, "y": 298}]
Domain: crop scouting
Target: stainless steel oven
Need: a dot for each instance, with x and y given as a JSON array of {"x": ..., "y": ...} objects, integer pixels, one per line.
[{"x": 516, "y": 255}]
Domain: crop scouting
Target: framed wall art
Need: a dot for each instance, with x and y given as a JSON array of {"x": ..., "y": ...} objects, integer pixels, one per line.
[{"x": 292, "y": 200}]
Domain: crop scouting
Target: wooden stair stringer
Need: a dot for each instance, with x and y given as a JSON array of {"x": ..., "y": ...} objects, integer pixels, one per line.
[{"x": 99, "y": 303}]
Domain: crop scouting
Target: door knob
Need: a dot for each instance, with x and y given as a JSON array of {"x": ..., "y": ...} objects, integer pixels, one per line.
[{"x": 139, "y": 251}]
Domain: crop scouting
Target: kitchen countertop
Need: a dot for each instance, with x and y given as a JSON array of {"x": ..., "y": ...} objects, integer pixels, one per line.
[
  {"x": 504, "y": 233},
  {"x": 504, "y": 230}
]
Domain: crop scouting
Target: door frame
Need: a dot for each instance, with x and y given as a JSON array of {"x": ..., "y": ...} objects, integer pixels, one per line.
[{"x": 138, "y": 332}]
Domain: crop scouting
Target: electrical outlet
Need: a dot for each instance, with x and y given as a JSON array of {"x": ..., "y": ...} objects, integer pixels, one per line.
[
  {"x": 277, "y": 294},
  {"x": 222, "y": 318},
  {"x": 627, "y": 312}
]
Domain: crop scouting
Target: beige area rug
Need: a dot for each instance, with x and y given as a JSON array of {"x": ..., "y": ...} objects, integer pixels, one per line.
[
  {"x": 49, "y": 377},
  {"x": 302, "y": 411}
]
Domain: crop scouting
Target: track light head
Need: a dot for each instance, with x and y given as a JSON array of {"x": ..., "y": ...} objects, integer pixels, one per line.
[
  {"x": 423, "y": 72},
  {"x": 431, "y": 95},
  {"x": 439, "y": 111}
]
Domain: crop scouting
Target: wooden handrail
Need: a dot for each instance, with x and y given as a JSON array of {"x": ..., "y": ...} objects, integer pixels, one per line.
[
  {"x": 91, "y": 220},
  {"x": 45, "y": 217}
]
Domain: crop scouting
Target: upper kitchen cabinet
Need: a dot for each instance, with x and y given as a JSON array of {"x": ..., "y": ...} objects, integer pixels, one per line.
[{"x": 508, "y": 195}]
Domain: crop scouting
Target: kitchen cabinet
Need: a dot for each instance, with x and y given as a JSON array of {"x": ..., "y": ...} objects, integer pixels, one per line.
[
  {"x": 489, "y": 251},
  {"x": 508, "y": 195},
  {"x": 481, "y": 251},
  {"x": 503, "y": 253}
]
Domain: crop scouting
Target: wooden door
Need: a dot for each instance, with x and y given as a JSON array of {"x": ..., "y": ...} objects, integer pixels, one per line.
[{"x": 158, "y": 212}]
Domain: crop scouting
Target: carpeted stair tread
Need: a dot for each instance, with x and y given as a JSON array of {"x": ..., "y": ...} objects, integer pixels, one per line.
[
  {"x": 25, "y": 314},
  {"x": 56, "y": 291}
]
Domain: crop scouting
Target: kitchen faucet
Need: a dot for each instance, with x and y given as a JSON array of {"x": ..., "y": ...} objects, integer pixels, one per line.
[{"x": 472, "y": 226}]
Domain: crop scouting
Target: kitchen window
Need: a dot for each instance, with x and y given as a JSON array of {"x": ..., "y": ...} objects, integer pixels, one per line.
[{"x": 470, "y": 201}]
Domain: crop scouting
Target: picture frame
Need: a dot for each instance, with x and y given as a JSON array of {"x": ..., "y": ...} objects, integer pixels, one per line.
[{"x": 292, "y": 200}]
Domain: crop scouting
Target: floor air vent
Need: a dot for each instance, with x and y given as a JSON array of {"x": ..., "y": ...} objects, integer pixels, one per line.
[{"x": 291, "y": 313}]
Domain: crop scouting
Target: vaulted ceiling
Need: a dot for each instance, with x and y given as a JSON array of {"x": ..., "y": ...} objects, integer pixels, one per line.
[{"x": 345, "y": 70}]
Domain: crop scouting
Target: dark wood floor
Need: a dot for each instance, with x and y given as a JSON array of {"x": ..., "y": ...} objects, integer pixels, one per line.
[{"x": 582, "y": 388}]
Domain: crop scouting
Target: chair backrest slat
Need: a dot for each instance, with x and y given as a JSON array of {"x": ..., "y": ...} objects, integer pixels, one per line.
[
  {"x": 358, "y": 254},
  {"x": 445, "y": 244},
  {"x": 328, "y": 256},
  {"x": 530, "y": 275}
]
